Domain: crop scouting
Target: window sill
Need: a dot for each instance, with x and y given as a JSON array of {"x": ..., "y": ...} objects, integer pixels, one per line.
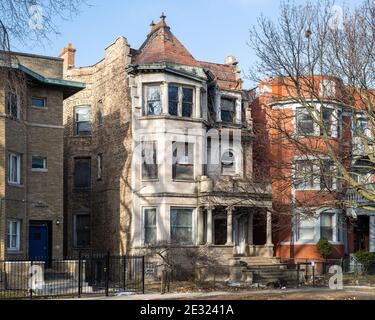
[
  {"x": 14, "y": 251},
  {"x": 15, "y": 185},
  {"x": 39, "y": 170},
  {"x": 179, "y": 180},
  {"x": 39, "y": 108},
  {"x": 150, "y": 180}
]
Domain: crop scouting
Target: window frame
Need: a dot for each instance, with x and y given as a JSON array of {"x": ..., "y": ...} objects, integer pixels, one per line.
[
  {"x": 74, "y": 172},
  {"x": 148, "y": 100},
  {"x": 144, "y": 157},
  {"x": 37, "y": 107},
  {"x": 99, "y": 166},
  {"x": 45, "y": 164},
  {"x": 191, "y": 104},
  {"x": 176, "y": 158},
  {"x": 77, "y": 122},
  {"x": 18, "y": 157},
  {"x": 174, "y": 101},
  {"x": 154, "y": 227},
  {"x": 17, "y": 247},
  {"x": 8, "y": 101},
  {"x": 192, "y": 230},
  {"x": 75, "y": 231},
  {"x": 99, "y": 112},
  {"x": 226, "y": 109}
]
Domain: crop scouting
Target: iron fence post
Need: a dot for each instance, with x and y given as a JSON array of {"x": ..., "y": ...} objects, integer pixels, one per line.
[
  {"x": 313, "y": 274},
  {"x": 106, "y": 274},
  {"x": 30, "y": 281},
  {"x": 79, "y": 273},
  {"x": 124, "y": 275},
  {"x": 297, "y": 274},
  {"x": 143, "y": 274}
]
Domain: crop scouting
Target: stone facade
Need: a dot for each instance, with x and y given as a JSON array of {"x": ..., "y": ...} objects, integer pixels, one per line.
[
  {"x": 36, "y": 199},
  {"x": 214, "y": 195}
]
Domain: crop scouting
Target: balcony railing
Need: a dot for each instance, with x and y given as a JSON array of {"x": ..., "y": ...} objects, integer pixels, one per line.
[{"x": 352, "y": 196}]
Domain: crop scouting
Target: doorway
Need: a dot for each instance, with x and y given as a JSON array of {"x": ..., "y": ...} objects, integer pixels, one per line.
[{"x": 40, "y": 239}]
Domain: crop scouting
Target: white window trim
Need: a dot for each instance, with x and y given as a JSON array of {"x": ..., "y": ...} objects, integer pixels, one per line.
[
  {"x": 18, "y": 234},
  {"x": 45, "y": 167},
  {"x": 334, "y": 120},
  {"x": 143, "y": 226},
  {"x": 318, "y": 212},
  {"x": 193, "y": 224},
  {"x": 10, "y": 168}
]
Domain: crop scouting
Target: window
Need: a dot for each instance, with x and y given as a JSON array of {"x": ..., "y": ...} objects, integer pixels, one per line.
[
  {"x": 305, "y": 123},
  {"x": 361, "y": 127},
  {"x": 149, "y": 160},
  {"x": 14, "y": 168},
  {"x": 304, "y": 174},
  {"x": 39, "y": 163},
  {"x": 173, "y": 100},
  {"x": 150, "y": 225},
  {"x": 13, "y": 105},
  {"x": 227, "y": 109},
  {"x": 183, "y": 161},
  {"x": 13, "y": 235},
  {"x": 153, "y": 101},
  {"x": 326, "y": 225},
  {"x": 187, "y": 102},
  {"x": 83, "y": 120},
  {"x": 99, "y": 113},
  {"x": 82, "y": 173},
  {"x": 327, "y": 175},
  {"x": 327, "y": 114},
  {"x": 228, "y": 162},
  {"x": 81, "y": 230},
  {"x": 99, "y": 166},
  {"x": 306, "y": 229},
  {"x": 327, "y": 88},
  {"x": 38, "y": 102},
  {"x": 181, "y": 225}
]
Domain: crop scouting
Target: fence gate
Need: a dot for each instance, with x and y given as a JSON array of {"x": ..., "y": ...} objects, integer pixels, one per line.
[{"x": 100, "y": 274}]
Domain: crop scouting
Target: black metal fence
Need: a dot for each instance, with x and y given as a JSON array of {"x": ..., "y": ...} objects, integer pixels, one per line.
[{"x": 97, "y": 274}]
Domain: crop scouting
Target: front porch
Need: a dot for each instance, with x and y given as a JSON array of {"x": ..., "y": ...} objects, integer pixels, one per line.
[{"x": 236, "y": 231}]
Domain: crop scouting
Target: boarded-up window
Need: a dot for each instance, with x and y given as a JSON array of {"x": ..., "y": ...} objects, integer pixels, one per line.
[
  {"x": 82, "y": 230},
  {"x": 82, "y": 173}
]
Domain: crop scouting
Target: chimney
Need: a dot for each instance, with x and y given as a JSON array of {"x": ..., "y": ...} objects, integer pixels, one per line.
[{"x": 68, "y": 54}]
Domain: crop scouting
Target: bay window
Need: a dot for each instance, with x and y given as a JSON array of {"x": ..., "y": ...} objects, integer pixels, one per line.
[
  {"x": 305, "y": 123},
  {"x": 187, "y": 102},
  {"x": 173, "y": 100},
  {"x": 149, "y": 218},
  {"x": 149, "y": 160},
  {"x": 183, "y": 161},
  {"x": 182, "y": 225},
  {"x": 153, "y": 103},
  {"x": 306, "y": 229}
]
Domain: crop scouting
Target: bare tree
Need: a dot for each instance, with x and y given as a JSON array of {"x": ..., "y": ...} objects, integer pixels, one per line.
[{"x": 315, "y": 56}]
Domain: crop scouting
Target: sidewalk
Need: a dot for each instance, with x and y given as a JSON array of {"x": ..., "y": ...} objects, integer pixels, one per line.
[{"x": 350, "y": 292}]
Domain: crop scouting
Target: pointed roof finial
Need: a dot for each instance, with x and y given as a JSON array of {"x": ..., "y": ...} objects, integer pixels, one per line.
[
  {"x": 152, "y": 23},
  {"x": 162, "y": 17}
]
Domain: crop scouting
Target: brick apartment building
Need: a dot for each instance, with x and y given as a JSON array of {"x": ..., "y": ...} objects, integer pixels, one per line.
[
  {"x": 31, "y": 156},
  {"x": 293, "y": 143},
  {"x": 142, "y": 108}
]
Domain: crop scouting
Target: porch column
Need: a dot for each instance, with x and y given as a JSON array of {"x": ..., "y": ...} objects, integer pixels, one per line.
[
  {"x": 250, "y": 229},
  {"x": 229, "y": 226},
  {"x": 200, "y": 226},
  {"x": 209, "y": 225},
  {"x": 372, "y": 234},
  {"x": 269, "y": 227}
]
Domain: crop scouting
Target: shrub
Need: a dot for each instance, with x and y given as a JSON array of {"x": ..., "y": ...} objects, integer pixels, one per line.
[
  {"x": 324, "y": 248},
  {"x": 366, "y": 259}
]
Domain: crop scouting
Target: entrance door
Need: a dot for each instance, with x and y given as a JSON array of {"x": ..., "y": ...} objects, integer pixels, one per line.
[{"x": 38, "y": 242}]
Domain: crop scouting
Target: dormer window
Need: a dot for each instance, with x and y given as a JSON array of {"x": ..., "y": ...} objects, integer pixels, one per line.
[
  {"x": 228, "y": 109},
  {"x": 153, "y": 107}
]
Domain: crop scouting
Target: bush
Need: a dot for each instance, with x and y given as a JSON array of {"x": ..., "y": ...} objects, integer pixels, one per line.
[
  {"x": 324, "y": 247},
  {"x": 366, "y": 259}
]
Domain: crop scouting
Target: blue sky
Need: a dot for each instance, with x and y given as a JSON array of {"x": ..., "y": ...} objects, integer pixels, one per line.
[{"x": 210, "y": 29}]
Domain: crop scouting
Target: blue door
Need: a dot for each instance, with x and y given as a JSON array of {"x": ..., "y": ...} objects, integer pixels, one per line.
[{"x": 38, "y": 243}]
